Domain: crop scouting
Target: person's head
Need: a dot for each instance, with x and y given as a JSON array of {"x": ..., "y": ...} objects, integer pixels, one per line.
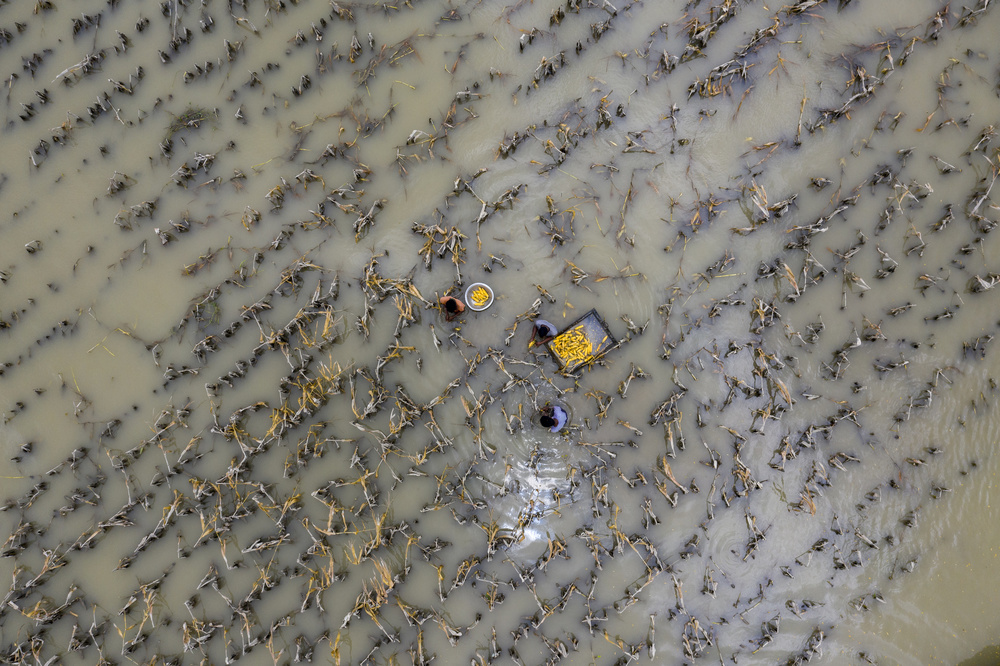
[
  {"x": 544, "y": 331},
  {"x": 451, "y": 305},
  {"x": 547, "y": 421}
]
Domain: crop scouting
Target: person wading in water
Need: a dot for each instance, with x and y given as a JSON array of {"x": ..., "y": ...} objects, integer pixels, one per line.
[
  {"x": 543, "y": 330},
  {"x": 452, "y": 307},
  {"x": 553, "y": 417}
]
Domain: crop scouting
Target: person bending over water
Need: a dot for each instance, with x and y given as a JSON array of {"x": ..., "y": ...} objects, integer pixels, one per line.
[
  {"x": 543, "y": 330},
  {"x": 553, "y": 417},
  {"x": 452, "y": 307}
]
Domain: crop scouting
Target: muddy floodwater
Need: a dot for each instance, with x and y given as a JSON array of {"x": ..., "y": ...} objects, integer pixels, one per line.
[{"x": 238, "y": 426}]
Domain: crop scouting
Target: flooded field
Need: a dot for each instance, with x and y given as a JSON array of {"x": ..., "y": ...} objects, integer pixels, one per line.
[{"x": 238, "y": 426}]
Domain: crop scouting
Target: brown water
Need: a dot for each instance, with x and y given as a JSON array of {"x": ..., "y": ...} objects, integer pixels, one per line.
[{"x": 236, "y": 425}]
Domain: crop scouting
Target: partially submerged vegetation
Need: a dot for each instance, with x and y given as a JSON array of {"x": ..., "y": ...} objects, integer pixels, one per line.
[{"x": 788, "y": 323}]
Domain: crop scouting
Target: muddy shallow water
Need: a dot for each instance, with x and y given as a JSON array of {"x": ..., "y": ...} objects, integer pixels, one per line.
[{"x": 237, "y": 426}]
